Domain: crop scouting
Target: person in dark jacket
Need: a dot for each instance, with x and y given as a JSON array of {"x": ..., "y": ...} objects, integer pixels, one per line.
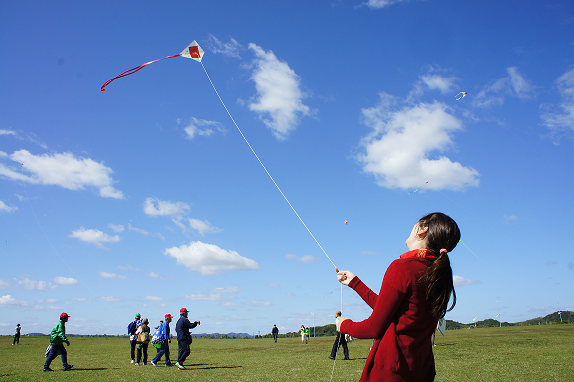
[
  {"x": 275, "y": 332},
  {"x": 183, "y": 337},
  {"x": 339, "y": 341},
  {"x": 17, "y": 335}
]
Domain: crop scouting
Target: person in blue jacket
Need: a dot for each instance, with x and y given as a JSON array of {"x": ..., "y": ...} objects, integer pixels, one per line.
[
  {"x": 164, "y": 333},
  {"x": 183, "y": 336}
]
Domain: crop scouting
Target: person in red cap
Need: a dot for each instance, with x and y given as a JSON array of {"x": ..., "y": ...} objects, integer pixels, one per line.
[
  {"x": 183, "y": 337},
  {"x": 164, "y": 333},
  {"x": 57, "y": 339}
]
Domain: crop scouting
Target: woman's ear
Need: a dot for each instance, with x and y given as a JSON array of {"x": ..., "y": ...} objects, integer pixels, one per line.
[{"x": 422, "y": 231}]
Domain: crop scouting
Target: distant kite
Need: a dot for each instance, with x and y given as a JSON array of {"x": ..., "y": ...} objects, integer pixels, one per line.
[
  {"x": 192, "y": 51},
  {"x": 461, "y": 95},
  {"x": 412, "y": 192},
  {"x": 346, "y": 222}
]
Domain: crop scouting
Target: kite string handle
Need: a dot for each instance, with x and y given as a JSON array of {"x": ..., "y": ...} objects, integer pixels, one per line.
[{"x": 133, "y": 70}]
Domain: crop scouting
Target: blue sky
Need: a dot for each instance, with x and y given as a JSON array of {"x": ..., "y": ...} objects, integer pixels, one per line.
[{"x": 146, "y": 198}]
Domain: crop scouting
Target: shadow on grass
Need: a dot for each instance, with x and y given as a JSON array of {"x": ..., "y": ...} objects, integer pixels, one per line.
[{"x": 207, "y": 366}]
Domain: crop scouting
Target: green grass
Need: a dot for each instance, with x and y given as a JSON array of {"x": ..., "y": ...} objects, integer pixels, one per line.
[{"x": 531, "y": 353}]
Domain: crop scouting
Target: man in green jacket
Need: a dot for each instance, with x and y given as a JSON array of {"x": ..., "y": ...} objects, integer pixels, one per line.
[{"x": 57, "y": 339}]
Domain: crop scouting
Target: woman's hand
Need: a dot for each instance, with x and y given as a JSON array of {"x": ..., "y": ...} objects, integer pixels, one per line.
[
  {"x": 339, "y": 321},
  {"x": 344, "y": 277}
]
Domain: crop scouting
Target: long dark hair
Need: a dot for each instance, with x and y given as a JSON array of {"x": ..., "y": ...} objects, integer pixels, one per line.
[{"x": 443, "y": 233}]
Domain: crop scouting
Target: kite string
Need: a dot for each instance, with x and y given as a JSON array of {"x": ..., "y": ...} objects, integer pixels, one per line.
[
  {"x": 61, "y": 258},
  {"x": 264, "y": 168}
]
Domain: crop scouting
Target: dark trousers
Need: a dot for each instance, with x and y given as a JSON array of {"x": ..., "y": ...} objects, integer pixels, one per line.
[
  {"x": 340, "y": 340},
  {"x": 275, "y": 337},
  {"x": 54, "y": 353},
  {"x": 133, "y": 349},
  {"x": 183, "y": 351},
  {"x": 16, "y": 339},
  {"x": 143, "y": 349},
  {"x": 164, "y": 349}
]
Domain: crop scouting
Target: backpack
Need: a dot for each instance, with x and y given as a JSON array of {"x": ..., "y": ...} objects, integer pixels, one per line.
[
  {"x": 132, "y": 328},
  {"x": 144, "y": 337},
  {"x": 157, "y": 339}
]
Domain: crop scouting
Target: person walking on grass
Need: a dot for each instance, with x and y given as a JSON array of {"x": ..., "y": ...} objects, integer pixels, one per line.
[
  {"x": 183, "y": 337},
  {"x": 275, "y": 332},
  {"x": 132, "y": 328},
  {"x": 57, "y": 339},
  {"x": 304, "y": 334},
  {"x": 143, "y": 339},
  {"x": 17, "y": 335},
  {"x": 339, "y": 341},
  {"x": 164, "y": 333}
]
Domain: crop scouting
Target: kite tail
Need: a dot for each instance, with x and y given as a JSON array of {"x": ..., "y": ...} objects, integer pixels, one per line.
[{"x": 132, "y": 71}]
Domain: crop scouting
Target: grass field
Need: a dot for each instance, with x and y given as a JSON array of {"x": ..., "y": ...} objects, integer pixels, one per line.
[{"x": 527, "y": 353}]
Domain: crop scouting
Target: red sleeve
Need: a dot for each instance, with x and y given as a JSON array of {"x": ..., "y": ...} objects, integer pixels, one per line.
[
  {"x": 364, "y": 291},
  {"x": 392, "y": 294}
]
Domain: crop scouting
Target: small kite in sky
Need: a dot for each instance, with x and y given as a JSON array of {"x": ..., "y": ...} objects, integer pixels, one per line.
[
  {"x": 19, "y": 168},
  {"x": 461, "y": 95},
  {"x": 327, "y": 294},
  {"x": 192, "y": 51},
  {"x": 346, "y": 222},
  {"x": 412, "y": 192}
]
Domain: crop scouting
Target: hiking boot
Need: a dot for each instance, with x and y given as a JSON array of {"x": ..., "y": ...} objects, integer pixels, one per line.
[
  {"x": 69, "y": 367},
  {"x": 47, "y": 369}
]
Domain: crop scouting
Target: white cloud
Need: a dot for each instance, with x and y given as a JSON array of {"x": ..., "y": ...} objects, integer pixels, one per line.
[
  {"x": 144, "y": 232},
  {"x": 234, "y": 289},
  {"x": 509, "y": 218},
  {"x": 229, "y": 304},
  {"x": 202, "y": 227},
  {"x": 279, "y": 97},
  {"x": 231, "y": 48},
  {"x": 209, "y": 259},
  {"x": 64, "y": 170},
  {"x": 258, "y": 303},
  {"x": 64, "y": 280},
  {"x": 460, "y": 281},
  {"x": 156, "y": 207},
  {"x": 203, "y": 128},
  {"x": 107, "y": 275},
  {"x": 378, "y": 4},
  {"x": 154, "y": 275},
  {"x": 27, "y": 283},
  {"x": 305, "y": 259},
  {"x": 8, "y": 300},
  {"x": 438, "y": 82},
  {"x": 6, "y": 208},
  {"x": 514, "y": 84},
  {"x": 80, "y": 299},
  {"x": 399, "y": 151},
  {"x": 7, "y": 132},
  {"x": 560, "y": 118},
  {"x": 94, "y": 236},
  {"x": 116, "y": 228},
  {"x": 154, "y": 298},
  {"x": 4, "y": 284},
  {"x": 111, "y": 298},
  {"x": 200, "y": 296}
]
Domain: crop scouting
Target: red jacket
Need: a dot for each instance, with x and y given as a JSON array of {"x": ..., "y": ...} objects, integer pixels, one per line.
[{"x": 401, "y": 324}]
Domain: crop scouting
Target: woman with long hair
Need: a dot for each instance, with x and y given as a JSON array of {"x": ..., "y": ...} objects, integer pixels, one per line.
[{"x": 414, "y": 294}]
